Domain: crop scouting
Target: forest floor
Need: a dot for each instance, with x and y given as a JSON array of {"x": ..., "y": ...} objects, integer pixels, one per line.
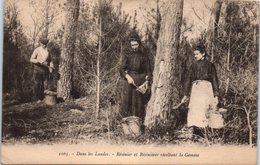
[
  {"x": 75, "y": 121},
  {"x": 39, "y": 129},
  {"x": 71, "y": 122}
]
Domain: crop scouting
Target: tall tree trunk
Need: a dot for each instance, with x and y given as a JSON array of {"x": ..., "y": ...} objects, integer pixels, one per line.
[
  {"x": 158, "y": 20},
  {"x": 217, "y": 11},
  {"x": 214, "y": 25},
  {"x": 228, "y": 61},
  {"x": 255, "y": 37},
  {"x": 46, "y": 20},
  {"x": 67, "y": 51},
  {"x": 165, "y": 82},
  {"x": 98, "y": 80}
]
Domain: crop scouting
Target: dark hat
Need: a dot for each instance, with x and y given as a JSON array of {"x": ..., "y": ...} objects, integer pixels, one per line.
[
  {"x": 134, "y": 37},
  {"x": 201, "y": 48},
  {"x": 44, "y": 41}
]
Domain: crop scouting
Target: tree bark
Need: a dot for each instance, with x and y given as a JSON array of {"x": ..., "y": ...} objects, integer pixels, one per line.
[
  {"x": 158, "y": 20},
  {"x": 165, "y": 80},
  {"x": 255, "y": 27},
  {"x": 217, "y": 10},
  {"x": 214, "y": 22},
  {"x": 67, "y": 51},
  {"x": 98, "y": 80},
  {"x": 46, "y": 20},
  {"x": 228, "y": 63}
]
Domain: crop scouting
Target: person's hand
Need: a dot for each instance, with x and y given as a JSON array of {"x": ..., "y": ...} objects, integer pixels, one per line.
[
  {"x": 45, "y": 63},
  {"x": 146, "y": 78},
  {"x": 146, "y": 85},
  {"x": 184, "y": 99},
  {"x": 143, "y": 88},
  {"x": 130, "y": 80},
  {"x": 216, "y": 100},
  {"x": 50, "y": 69}
]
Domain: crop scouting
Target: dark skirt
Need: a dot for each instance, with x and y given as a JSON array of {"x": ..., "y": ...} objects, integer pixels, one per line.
[{"x": 132, "y": 101}]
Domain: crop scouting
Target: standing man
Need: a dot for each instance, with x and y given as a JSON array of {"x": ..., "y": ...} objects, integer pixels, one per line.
[{"x": 42, "y": 67}]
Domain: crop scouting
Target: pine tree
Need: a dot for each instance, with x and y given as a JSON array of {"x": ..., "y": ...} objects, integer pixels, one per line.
[
  {"x": 165, "y": 82},
  {"x": 67, "y": 50}
]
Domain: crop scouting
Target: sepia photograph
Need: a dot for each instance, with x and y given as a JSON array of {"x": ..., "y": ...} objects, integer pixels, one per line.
[{"x": 130, "y": 82}]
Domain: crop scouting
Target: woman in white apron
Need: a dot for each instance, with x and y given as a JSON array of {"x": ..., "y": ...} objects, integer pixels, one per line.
[{"x": 202, "y": 87}]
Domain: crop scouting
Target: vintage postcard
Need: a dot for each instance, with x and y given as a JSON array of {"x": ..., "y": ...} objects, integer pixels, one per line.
[{"x": 130, "y": 82}]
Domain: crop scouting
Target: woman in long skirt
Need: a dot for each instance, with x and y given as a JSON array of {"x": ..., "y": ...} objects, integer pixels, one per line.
[
  {"x": 202, "y": 87},
  {"x": 135, "y": 70}
]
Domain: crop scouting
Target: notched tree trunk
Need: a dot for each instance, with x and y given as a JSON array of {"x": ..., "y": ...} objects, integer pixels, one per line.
[{"x": 165, "y": 80}]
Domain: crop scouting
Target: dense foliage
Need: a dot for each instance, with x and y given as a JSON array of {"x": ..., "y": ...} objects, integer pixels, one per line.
[{"x": 236, "y": 51}]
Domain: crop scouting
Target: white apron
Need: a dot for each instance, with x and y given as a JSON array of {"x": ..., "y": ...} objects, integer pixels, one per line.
[{"x": 201, "y": 103}]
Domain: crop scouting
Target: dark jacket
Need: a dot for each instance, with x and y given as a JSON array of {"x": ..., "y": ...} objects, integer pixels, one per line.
[
  {"x": 135, "y": 63},
  {"x": 202, "y": 70}
]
